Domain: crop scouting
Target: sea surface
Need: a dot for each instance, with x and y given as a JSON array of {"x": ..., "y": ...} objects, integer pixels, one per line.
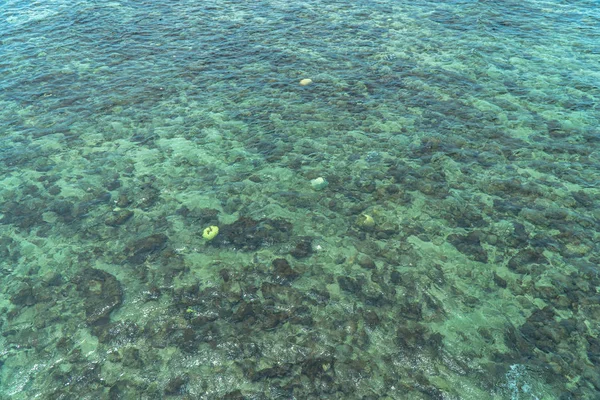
[{"x": 405, "y": 197}]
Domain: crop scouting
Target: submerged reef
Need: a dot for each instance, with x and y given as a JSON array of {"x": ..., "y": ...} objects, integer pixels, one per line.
[{"x": 419, "y": 221}]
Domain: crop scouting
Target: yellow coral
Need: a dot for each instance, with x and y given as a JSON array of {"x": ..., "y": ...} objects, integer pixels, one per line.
[{"x": 210, "y": 232}]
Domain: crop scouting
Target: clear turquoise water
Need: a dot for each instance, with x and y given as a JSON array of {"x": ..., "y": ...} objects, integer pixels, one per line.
[{"x": 450, "y": 252}]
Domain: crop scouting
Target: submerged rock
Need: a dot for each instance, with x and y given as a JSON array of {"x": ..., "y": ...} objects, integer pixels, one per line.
[
  {"x": 101, "y": 293},
  {"x": 141, "y": 249},
  {"x": 249, "y": 234}
]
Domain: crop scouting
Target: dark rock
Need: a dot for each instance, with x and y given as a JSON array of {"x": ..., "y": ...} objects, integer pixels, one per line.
[
  {"x": 317, "y": 367},
  {"x": 148, "y": 195},
  {"x": 255, "y": 178},
  {"x": 225, "y": 275},
  {"x": 593, "y": 349},
  {"x": 519, "y": 343},
  {"x": 248, "y": 234},
  {"x": 118, "y": 217},
  {"x": 52, "y": 279},
  {"x": 349, "y": 284},
  {"x": 244, "y": 312},
  {"x": 367, "y": 262},
  {"x": 523, "y": 260},
  {"x": 62, "y": 207},
  {"x": 319, "y": 296},
  {"x": 274, "y": 291},
  {"x": 411, "y": 310},
  {"x": 139, "y": 250},
  {"x": 411, "y": 337},
  {"x": 113, "y": 185},
  {"x": 123, "y": 201},
  {"x": 519, "y": 237},
  {"x": 54, "y": 190},
  {"x": 282, "y": 271},
  {"x": 152, "y": 294},
  {"x": 235, "y": 395},
  {"x": 507, "y": 207},
  {"x": 121, "y": 332},
  {"x": 187, "y": 340},
  {"x": 23, "y": 297},
  {"x": 132, "y": 357},
  {"x": 101, "y": 293},
  {"x": 469, "y": 245},
  {"x": 277, "y": 371},
  {"x": 499, "y": 281},
  {"x": 395, "y": 277},
  {"x": 303, "y": 248},
  {"x": 123, "y": 390},
  {"x": 556, "y": 213},
  {"x": 392, "y": 189},
  {"x": 387, "y": 230},
  {"x": 583, "y": 198},
  {"x": 371, "y": 318},
  {"x": 189, "y": 295},
  {"x": 176, "y": 385}
]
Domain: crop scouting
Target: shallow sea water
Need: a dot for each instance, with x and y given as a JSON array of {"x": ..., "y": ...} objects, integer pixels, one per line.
[{"x": 450, "y": 250}]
